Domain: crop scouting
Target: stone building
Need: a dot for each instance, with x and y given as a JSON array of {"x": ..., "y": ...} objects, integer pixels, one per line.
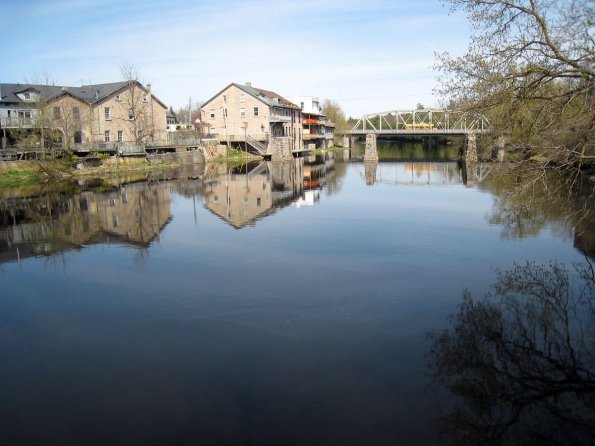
[
  {"x": 116, "y": 112},
  {"x": 254, "y": 119}
]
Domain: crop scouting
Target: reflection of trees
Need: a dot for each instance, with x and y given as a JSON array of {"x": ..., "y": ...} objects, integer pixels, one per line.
[
  {"x": 521, "y": 362},
  {"x": 528, "y": 199}
]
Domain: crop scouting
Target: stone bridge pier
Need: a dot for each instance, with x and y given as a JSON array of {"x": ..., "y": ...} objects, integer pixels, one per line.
[
  {"x": 471, "y": 148},
  {"x": 371, "y": 153}
]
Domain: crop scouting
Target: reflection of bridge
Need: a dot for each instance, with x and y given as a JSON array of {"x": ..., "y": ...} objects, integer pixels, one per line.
[
  {"x": 420, "y": 122},
  {"x": 425, "y": 173}
]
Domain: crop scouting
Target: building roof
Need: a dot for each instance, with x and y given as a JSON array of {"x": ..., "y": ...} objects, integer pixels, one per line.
[
  {"x": 89, "y": 93},
  {"x": 270, "y": 98}
]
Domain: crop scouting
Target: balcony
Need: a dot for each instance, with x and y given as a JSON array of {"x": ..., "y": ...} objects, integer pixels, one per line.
[
  {"x": 311, "y": 121},
  {"x": 279, "y": 118},
  {"x": 14, "y": 122}
]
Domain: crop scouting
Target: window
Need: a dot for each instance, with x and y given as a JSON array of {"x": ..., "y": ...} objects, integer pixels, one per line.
[
  {"x": 258, "y": 201},
  {"x": 56, "y": 112},
  {"x": 118, "y": 97},
  {"x": 212, "y": 114},
  {"x": 255, "y": 111},
  {"x": 242, "y": 97},
  {"x": 140, "y": 134},
  {"x": 225, "y": 113},
  {"x": 120, "y": 136},
  {"x": 302, "y": 105},
  {"x": 107, "y": 136},
  {"x": 130, "y": 113},
  {"x": 27, "y": 96},
  {"x": 108, "y": 113},
  {"x": 145, "y": 99},
  {"x": 78, "y": 137},
  {"x": 76, "y": 115},
  {"x": 224, "y": 98},
  {"x": 242, "y": 112}
]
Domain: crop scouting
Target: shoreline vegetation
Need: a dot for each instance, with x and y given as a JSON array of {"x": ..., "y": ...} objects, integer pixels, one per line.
[{"x": 28, "y": 173}]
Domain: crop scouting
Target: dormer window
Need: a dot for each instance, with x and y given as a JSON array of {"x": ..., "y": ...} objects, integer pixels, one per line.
[{"x": 27, "y": 96}]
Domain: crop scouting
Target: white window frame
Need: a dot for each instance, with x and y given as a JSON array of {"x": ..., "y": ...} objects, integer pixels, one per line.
[
  {"x": 256, "y": 111},
  {"x": 107, "y": 136},
  {"x": 27, "y": 96},
  {"x": 242, "y": 97},
  {"x": 107, "y": 112},
  {"x": 120, "y": 135},
  {"x": 242, "y": 112}
]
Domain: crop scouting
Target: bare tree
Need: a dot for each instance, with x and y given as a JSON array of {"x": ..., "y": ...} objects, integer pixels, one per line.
[
  {"x": 136, "y": 105},
  {"x": 530, "y": 67}
]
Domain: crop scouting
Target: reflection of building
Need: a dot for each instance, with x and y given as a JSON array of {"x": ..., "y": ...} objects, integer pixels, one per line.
[
  {"x": 134, "y": 214},
  {"x": 241, "y": 198},
  {"x": 318, "y": 130}
]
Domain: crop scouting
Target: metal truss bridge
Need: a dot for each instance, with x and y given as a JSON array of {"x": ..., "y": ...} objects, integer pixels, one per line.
[{"x": 420, "y": 122}]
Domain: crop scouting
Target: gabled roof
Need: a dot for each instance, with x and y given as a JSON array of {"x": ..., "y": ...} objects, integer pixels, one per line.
[
  {"x": 270, "y": 98},
  {"x": 89, "y": 93}
]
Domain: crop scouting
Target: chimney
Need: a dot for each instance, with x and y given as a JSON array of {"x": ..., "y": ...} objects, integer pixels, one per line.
[
  {"x": 248, "y": 84},
  {"x": 96, "y": 94}
]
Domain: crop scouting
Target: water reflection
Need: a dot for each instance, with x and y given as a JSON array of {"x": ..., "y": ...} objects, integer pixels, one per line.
[
  {"x": 57, "y": 221},
  {"x": 241, "y": 196},
  {"x": 521, "y": 362},
  {"x": 527, "y": 201},
  {"x": 413, "y": 173},
  {"x": 134, "y": 210}
]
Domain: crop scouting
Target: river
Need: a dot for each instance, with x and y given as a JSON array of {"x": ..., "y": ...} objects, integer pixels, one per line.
[{"x": 264, "y": 304}]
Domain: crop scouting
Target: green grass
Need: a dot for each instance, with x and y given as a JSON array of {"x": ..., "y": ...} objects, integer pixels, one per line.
[{"x": 18, "y": 178}]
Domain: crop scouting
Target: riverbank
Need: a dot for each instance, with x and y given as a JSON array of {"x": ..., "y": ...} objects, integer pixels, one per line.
[{"x": 31, "y": 172}]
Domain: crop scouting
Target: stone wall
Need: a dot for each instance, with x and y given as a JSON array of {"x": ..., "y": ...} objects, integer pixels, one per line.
[{"x": 279, "y": 149}]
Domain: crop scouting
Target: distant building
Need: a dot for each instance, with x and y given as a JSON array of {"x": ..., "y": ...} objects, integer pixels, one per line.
[
  {"x": 317, "y": 129},
  {"x": 265, "y": 121},
  {"x": 115, "y": 112}
]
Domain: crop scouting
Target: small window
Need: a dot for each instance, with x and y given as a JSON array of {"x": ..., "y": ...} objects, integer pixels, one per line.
[
  {"x": 242, "y": 97},
  {"x": 302, "y": 105},
  {"x": 118, "y": 97},
  {"x": 255, "y": 111},
  {"x": 120, "y": 135},
  {"x": 224, "y": 98},
  {"x": 76, "y": 115},
  {"x": 107, "y": 136},
  {"x": 56, "y": 112},
  {"x": 258, "y": 201},
  {"x": 140, "y": 134},
  {"x": 212, "y": 114},
  {"x": 108, "y": 113},
  {"x": 130, "y": 113},
  {"x": 225, "y": 113},
  {"x": 27, "y": 96},
  {"x": 242, "y": 112},
  {"x": 145, "y": 98},
  {"x": 78, "y": 137}
]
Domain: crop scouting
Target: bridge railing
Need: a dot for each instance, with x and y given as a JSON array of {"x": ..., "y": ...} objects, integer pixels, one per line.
[{"x": 436, "y": 121}]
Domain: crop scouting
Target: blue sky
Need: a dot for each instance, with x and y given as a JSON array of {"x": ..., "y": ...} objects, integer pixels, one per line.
[{"x": 368, "y": 56}]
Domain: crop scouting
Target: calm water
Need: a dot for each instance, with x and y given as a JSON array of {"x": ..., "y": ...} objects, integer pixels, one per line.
[{"x": 286, "y": 305}]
